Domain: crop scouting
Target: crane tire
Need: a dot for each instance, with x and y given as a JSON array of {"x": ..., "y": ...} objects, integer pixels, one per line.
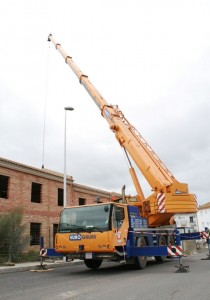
[
  {"x": 140, "y": 262},
  {"x": 93, "y": 263},
  {"x": 161, "y": 242}
]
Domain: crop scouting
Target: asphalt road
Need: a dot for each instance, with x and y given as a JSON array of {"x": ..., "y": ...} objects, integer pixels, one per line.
[{"x": 112, "y": 281}]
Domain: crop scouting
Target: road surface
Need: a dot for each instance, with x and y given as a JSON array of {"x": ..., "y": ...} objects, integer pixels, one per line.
[{"x": 112, "y": 281}]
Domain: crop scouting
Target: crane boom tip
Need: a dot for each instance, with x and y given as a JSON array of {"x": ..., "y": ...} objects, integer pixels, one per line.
[{"x": 49, "y": 37}]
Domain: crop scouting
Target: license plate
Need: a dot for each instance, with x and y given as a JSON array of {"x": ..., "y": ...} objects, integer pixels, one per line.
[{"x": 88, "y": 255}]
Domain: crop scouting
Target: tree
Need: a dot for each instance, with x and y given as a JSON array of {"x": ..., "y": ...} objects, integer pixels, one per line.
[{"x": 12, "y": 234}]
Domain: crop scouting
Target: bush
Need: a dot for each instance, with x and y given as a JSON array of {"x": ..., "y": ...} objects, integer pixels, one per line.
[
  {"x": 31, "y": 255},
  {"x": 12, "y": 235}
]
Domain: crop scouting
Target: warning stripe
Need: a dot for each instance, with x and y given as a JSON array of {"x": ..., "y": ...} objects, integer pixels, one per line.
[
  {"x": 196, "y": 202},
  {"x": 161, "y": 202},
  {"x": 204, "y": 235},
  {"x": 43, "y": 252},
  {"x": 174, "y": 250}
]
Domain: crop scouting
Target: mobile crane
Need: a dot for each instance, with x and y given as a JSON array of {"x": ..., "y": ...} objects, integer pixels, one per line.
[{"x": 131, "y": 228}]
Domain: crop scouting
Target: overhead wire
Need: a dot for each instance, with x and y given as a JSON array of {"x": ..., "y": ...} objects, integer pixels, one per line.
[{"x": 45, "y": 107}]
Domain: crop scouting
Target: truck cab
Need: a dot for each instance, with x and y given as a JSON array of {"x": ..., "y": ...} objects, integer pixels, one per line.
[
  {"x": 91, "y": 229},
  {"x": 96, "y": 232}
]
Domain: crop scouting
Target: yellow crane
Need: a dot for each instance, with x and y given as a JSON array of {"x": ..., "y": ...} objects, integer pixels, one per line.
[
  {"x": 131, "y": 228},
  {"x": 169, "y": 196}
]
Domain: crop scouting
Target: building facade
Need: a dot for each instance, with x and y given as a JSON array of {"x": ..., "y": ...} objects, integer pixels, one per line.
[
  {"x": 39, "y": 192},
  {"x": 204, "y": 216},
  {"x": 197, "y": 221},
  {"x": 187, "y": 220}
]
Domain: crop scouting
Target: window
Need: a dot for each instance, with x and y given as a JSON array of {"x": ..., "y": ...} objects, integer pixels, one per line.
[
  {"x": 82, "y": 201},
  {"x": 36, "y": 192},
  {"x": 35, "y": 230},
  {"x": 86, "y": 218},
  {"x": 191, "y": 219},
  {"x": 118, "y": 212},
  {"x": 4, "y": 182},
  {"x": 60, "y": 197},
  {"x": 55, "y": 230}
]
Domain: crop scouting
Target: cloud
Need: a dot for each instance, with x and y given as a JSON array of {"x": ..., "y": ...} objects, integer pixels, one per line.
[{"x": 152, "y": 59}]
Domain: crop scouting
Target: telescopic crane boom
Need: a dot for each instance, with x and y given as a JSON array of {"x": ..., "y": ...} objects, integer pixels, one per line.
[{"x": 169, "y": 196}]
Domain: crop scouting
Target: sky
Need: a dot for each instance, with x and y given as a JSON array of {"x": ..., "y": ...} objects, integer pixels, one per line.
[{"x": 151, "y": 58}]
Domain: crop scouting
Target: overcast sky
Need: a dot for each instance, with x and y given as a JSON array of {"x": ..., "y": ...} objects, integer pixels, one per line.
[{"x": 152, "y": 58}]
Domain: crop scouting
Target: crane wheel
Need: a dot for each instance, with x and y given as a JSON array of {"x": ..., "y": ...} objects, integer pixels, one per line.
[
  {"x": 170, "y": 240},
  {"x": 93, "y": 263},
  {"x": 161, "y": 242},
  {"x": 140, "y": 262}
]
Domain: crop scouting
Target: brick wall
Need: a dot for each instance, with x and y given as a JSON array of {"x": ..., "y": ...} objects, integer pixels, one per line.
[{"x": 47, "y": 212}]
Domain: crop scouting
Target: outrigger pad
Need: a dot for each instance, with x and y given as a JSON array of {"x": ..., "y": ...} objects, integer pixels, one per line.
[
  {"x": 182, "y": 269},
  {"x": 208, "y": 258}
]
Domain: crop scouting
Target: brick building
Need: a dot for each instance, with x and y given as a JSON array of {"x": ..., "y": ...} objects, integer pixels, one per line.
[{"x": 40, "y": 193}]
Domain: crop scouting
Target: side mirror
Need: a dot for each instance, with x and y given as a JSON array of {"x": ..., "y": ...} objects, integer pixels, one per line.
[
  {"x": 106, "y": 208},
  {"x": 117, "y": 215}
]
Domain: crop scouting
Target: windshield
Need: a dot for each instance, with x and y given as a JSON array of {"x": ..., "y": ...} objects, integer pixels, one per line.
[{"x": 85, "y": 219}]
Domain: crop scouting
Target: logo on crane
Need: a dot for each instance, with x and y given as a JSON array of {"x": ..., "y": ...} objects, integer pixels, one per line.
[
  {"x": 75, "y": 237},
  {"x": 79, "y": 237}
]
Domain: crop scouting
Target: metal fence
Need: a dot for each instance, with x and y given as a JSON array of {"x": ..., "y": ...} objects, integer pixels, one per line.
[
  {"x": 12, "y": 251},
  {"x": 15, "y": 238}
]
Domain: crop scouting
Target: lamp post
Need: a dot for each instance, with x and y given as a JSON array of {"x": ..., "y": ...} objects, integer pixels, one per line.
[{"x": 64, "y": 173}]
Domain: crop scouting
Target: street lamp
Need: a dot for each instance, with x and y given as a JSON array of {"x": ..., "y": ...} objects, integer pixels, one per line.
[{"x": 64, "y": 173}]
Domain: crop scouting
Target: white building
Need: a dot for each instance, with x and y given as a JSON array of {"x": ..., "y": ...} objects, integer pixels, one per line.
[
  {"x": 197, "y": 221},
  {"x": 187, "y": 220},
  {"x": 203, "y": 216}
]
